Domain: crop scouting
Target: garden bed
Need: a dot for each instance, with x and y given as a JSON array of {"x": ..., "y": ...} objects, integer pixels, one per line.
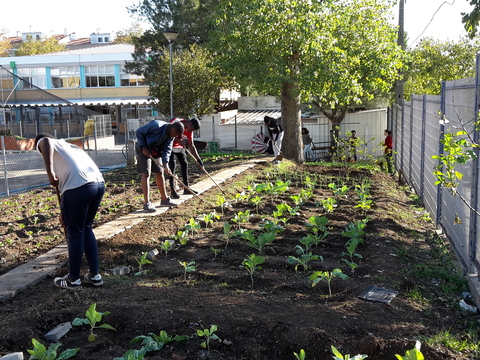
[{"x": 274, "y": 311}]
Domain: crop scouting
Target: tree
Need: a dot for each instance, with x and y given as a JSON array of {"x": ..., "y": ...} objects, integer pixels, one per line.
[
  {"x": 5, "y": 45},
  {"x": 337, "y": 51},
  {"x": 126, "y": 35},
  {"x": 471, "y": 20},
  {"x": 433, "y": 61},
  {"x": 189, "y": 17},
  {"x": 32, "y": 47},
  {"x": 195, "y": 85}
]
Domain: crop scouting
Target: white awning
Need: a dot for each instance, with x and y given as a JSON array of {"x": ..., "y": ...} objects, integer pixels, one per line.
[{"x": 82, "y": 102}]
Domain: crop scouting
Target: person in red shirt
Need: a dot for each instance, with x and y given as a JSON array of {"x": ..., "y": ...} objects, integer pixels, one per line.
[
  {"x": 388, "y": 144},
  {"x": 179, "y": 145}
]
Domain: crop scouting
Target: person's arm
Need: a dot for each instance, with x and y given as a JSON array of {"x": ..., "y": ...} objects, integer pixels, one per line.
[{"x": 47, "y": 150}]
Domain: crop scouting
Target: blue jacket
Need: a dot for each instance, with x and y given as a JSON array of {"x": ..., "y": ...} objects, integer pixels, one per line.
[{"x": 153, "y": 131}]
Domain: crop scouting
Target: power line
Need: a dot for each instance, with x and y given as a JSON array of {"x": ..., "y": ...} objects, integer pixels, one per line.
[{"x": 435, "y": 13}]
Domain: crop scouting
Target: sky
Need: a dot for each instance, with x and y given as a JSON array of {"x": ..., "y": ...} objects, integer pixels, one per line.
[
  {"x": 429, "y": 18},
  {"x": 89, "y": 16},
  {"x": 54, "y": 16}
]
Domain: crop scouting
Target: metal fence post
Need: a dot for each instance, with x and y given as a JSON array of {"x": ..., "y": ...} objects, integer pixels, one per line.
[
  {"x": 440, "y": 151},
  {"x": 422, "y": 147},
  {"x": 475, "y": 179},
  {"x": 5, "y": 171}
]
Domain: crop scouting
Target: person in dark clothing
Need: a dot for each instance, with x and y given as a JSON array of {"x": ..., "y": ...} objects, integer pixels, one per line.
[
  {"x": 155, "y": 139},
  {"x": 353, "y": 141},
  {"x": 179, "y": 145},
  {"x": 388, "y": 144},
  {"x": 80, "y": 187},
  {"x": 275, "y": 131}
]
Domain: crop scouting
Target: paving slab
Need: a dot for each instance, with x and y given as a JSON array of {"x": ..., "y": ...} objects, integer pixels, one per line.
[{"x": 34, "y": 271}]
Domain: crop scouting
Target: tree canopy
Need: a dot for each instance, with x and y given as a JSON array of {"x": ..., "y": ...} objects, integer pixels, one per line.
[
  {"x": 433, "y": 61},
  {"x": 195, "y": 85},
  {"x": 126, "y": 35},
  {"x": 189, "y": 17},
  {"x": 471, "y": 19},
  {"x": 5, "y": 45},
  {"x": 336, "y": 51},
  {"x": 35, "y": 47}
]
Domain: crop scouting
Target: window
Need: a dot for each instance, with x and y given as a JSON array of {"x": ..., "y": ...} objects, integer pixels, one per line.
[
  {"x": 6, "y": 80},
  {"x": 127, "y": 79},
  {"x": 107, "y": 39},
  {"x": 65, "y": 77},
  {"x": 100, "y": 40},
  {"x": 100, "y": 76},
  {"x": 32, "y": 76}
]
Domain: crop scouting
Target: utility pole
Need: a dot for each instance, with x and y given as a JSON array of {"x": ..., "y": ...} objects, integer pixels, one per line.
[{"x": 401, "y": 42}]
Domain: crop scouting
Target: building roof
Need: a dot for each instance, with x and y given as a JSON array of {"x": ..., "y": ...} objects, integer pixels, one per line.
[
  {"x": 95, "y": 50},
  {"x": 82, "y": 102},
  {"x": 252, "y": 117}
]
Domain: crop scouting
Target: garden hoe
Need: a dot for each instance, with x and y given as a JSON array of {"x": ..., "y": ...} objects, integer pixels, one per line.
[
  {"x": 201, "y": 167},
  {"x": 279, "y": 156},
  {"x": 181, "y": 183}
]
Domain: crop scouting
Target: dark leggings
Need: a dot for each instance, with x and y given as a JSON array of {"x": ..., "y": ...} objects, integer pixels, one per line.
[
  {"x": 182, "y": 159},
  {"x": 79, "y": 207}
]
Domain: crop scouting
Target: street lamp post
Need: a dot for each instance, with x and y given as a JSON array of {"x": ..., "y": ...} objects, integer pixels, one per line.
[{"x": 171, "y": 35}]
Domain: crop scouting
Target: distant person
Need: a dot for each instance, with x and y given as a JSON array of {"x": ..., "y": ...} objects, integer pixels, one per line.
[
  {"x": 275, "y": 131},
  {"x": 179, "y": 145},
  {"x": 388, "y": 144},
  {"x": 155, "y": 139},
  {"x": 308, "y": 144},
  {"x": 353, "y": 142},
  {"x": 81, "y": 187}
]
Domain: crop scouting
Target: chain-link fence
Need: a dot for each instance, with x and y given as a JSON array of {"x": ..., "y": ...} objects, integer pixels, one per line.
[{"x": 22, "y": 168}]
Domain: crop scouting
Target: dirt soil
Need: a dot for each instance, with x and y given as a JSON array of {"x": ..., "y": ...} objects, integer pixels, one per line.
[{"x": 282, "y": 313}]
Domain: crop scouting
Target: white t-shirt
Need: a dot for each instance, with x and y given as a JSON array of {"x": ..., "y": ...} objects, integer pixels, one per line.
[{"x": 72, "y": 165}]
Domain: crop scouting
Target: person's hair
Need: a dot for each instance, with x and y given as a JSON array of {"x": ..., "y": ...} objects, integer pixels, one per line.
[
  {"x": 195, "y": 123},
  {"x": 267, "y": 119},
  {"x": 353, "y": 132},
  {"x": 41, "y": 136},
  {"x": 306, "y": 130},
  {"x": 389, "y": 132},
  {"x": 178, "y": 127}
]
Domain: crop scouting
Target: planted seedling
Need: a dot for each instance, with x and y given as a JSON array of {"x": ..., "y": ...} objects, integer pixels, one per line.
[
  {"x": 208, "y": 335},
  {"x": 327, "y": 277},
  {"x": 141, "y": 262},
  {"x": 193, "y": 226},
  {"x": 272, "y": 226},
  {"x": 256, "y": 200},
  {"x": 154, "y": 342},
  {"x": 300, "y": 356},
  {"x": 339, "y": 356},
  {"x": 40, "y": 352},
  {"x": 166, "y": 246},
  {"x": 252, "y": 264},
  {"x": 328, "y": 204},
  {"x": 339, "y": 192},
  {"x": 413, "y": 354},
  {"x": 318, "y": 226},
  {"x": 222, "y": 202},
  {"x": 209, "y": 218},
  {"x": 303, "y": 259},
  {"x": 215, "y": 252},
  {"x": 93, "y": 317},
  {"x": 260, "y": 241},
  {"x": 181, "y": 237},
  {"x": 133, "y": 355},
  {"x": 187, "y": 267},
  {"x": 241, "y": 217},
  {"x": 227, "y": 235}
]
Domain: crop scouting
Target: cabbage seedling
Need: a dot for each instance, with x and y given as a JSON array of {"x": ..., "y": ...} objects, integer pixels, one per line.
[
  {"x": 208, "y": 335},
  {"x": 327, "y": 277},
  {"x": 93, "y": 317},
  {"x": 40, "y": 352}
]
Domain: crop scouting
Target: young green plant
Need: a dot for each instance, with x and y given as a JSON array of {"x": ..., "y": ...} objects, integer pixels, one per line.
[
  {"x": 155, "y": 342},
  {"x": 187, "y": 267},
  {"x": 141, "y": 262},
  {"x": 93, "y": 317},
  {"x": 327, "y": 277},
  {"x": 40, "y": 352},
  {"x": 252, "y": 263},
  {"x": 208, "y": 335}
]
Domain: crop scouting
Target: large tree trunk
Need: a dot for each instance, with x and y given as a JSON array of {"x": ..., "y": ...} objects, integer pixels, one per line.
[{"x": 291, "y": 123}]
